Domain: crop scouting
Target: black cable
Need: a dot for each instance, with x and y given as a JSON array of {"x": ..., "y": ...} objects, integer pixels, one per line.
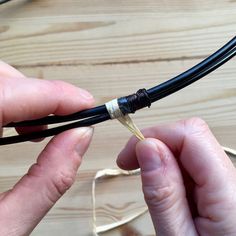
[
  {"x": 104, "y": 117},
  {"x": 60, "y": 119},
  {"x": 53, "y": 131},
  {"x": 134, "y": 102},
  {"x": 154, "y": 93},
  {"x": 130, "y": 103},
  {"x": 4, "y": 1},
  {"x": 166, "y": 89}
]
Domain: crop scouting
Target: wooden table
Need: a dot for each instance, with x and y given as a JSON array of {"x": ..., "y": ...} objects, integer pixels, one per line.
[{"x": 113, "y": 48}]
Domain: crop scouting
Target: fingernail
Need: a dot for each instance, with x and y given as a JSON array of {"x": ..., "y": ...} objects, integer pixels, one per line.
[
  {"x": 85, "y": 94},
  {"x": 148, "y": 155},
  {"x": 85, "y": 134}
]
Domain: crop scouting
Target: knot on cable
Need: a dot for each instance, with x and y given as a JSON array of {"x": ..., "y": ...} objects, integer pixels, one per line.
[{"x": 134, "y": 102}]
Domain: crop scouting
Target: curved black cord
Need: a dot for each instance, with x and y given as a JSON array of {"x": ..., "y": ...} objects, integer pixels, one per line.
[
  {"x": 166, "y": 88},
  {"x": 130, "y": 103},
  {"x": 104, "y": 117},
  {"x": 154, "y": 93},
  {"x": 53, "y": 131},
  {"x": 60, "y": 119},
  {"x": 142, "y": 98}
]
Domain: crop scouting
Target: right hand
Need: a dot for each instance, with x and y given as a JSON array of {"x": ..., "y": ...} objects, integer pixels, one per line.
[{"x": 189, "y": 183}]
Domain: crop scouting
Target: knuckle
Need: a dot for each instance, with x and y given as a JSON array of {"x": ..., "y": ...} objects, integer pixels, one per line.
[
  {"x": 60, "y": 91},
  {"x": 63, "y": 181},
  {"x": 57, "y": 84},
  {"x": 159, "y": 195},
  {"x": 35, "y": 170},
  {"x": 64, "y": 177},
  {"x": 60, "y": 85},
  {"x": 195, "y": 125},
  {"x": 60, "y": 179}
]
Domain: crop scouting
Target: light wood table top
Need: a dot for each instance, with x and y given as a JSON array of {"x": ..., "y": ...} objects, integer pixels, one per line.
[{"x": 113, "y": 48}]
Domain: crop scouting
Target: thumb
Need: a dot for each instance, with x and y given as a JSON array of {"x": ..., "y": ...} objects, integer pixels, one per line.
[
  {"x": 22, "y": 208},
  {"x": 163, "y": 189}
]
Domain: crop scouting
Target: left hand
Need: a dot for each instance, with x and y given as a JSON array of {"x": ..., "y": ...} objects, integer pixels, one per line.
[{"x": 22, "y": 207}]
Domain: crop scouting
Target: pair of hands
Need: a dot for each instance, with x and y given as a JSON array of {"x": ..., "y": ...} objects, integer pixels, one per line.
[{"x": 188, "y": 181}]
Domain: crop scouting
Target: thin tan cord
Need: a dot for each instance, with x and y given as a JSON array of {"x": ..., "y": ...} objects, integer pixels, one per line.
[
  {"x": 124, "y": 220},
  {"x": 229, "y": 151},
  {"x": 115, "y": 113}
]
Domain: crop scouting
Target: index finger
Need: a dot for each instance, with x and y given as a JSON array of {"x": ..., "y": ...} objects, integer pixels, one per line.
[
  {"x": 193, "y": 143},
  {"x": 25, "y": 99}
]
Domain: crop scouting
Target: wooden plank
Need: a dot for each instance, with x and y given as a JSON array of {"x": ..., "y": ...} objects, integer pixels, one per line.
[
  {"x": 113, "y": 48},
  {"x": 121, "y": 34}
]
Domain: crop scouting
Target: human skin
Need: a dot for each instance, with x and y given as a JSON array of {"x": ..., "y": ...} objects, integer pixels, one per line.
[
  {"x": 21, "y": 98},
  {"x": 188, "y": 180},
  {"x": 189, "y": 183}
]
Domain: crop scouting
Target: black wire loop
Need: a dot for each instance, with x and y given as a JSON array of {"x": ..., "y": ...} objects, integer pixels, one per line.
[{"x": 129, "y": 104}]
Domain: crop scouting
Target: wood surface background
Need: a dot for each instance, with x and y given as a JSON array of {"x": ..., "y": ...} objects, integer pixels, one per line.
[{"x": 112, "y": 48}]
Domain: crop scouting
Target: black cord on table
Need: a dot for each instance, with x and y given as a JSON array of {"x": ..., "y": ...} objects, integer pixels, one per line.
[
  {"x": 167, "y": 89},
  {"x": 128, "y": 104},
  {"x": 53, "y": 131},
  {"x": 155, "y": 93},
  {"x": 187, "y": 75},
  {"x": 60, "y": 119}
]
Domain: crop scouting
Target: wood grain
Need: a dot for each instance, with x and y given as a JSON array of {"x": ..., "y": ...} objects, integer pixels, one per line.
[{"x": 113, "y": 48}]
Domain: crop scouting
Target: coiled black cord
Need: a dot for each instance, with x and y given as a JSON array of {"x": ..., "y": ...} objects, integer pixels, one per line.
[{"x": 128, "y": 104}]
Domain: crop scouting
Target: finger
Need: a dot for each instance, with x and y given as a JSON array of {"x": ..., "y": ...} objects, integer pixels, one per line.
[
  {"x": 7, "y": 71},
  {"x": 163, "y": 189},
  {"x": 196, "y": 147},
  {"x": 25, "y": 205},
  {"x": 127, "y": 157},
  {"x": 24, "y": 99}
]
